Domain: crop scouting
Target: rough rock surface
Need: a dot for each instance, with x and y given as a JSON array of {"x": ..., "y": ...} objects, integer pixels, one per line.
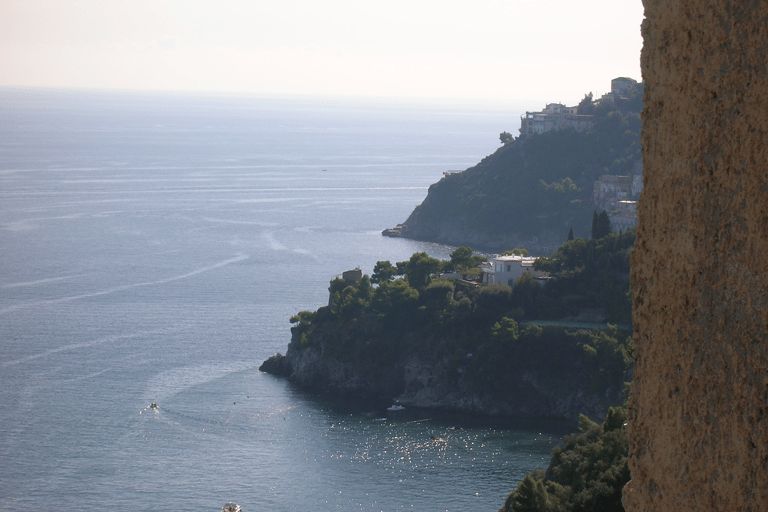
[
  {"x": 698, "y": 426},
  {"x": 276, "y": 365}
]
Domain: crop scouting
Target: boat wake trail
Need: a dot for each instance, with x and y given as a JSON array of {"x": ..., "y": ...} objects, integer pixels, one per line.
[{"x": 108, "y": 291}]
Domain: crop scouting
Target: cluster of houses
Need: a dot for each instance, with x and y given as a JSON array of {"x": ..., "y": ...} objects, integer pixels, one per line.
[
  {"x": 617, "y": 195},
  {"x": 556, "y": 115}
]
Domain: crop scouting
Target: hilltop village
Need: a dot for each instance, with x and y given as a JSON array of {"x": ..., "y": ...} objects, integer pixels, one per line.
[{"x": 616, "y": 194}]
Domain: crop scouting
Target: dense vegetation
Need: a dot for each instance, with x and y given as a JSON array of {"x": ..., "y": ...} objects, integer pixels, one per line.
[
  {"x": 535, "y": 186},
  {"x": 586, "y": 473},
  {"x": 486, "y": 335},
  {"x": 590, "y": 273}
]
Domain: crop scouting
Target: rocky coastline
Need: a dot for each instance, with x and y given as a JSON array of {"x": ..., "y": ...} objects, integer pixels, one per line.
[{"x": 429, "y": 383}]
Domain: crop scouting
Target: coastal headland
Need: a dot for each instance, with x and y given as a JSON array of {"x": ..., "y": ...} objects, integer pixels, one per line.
[{"x": 444, "y": 343}]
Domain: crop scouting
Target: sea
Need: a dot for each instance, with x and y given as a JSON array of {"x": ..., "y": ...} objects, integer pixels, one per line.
[{"x": 153, "y": 247}]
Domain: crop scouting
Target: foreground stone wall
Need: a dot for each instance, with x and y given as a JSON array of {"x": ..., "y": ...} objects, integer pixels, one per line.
[{"x": 698, "y": 425}]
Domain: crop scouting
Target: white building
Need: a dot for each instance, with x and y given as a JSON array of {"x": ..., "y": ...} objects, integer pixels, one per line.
[
  {"x": 554, "y": 117},
  {"x": 625, "y": 215},
  {"x": 622, "y": 86},
  {"x": 610, "y": 189},
  {"x": 507, "y": 269}
]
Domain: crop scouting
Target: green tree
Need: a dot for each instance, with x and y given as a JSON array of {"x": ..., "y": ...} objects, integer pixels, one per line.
[
  {"x": 302, "y": 328},
  {"x": 464, "y": 262},
  {"x": 564, "y": 186},
  {"x": 492, "y": 302},
  {"x": 506, "y": 137},
  {"x": 530, "y": 495},
  {"x": 570, "y": 235},
  {"x": 394, "y": 297},
  {"x": 516, "y": 252},
  {"x": 364, "y": 289},
  {"x": 438, "y": 302},
  {"x": 461, "y": 257},
  {"x": 506, "y": 330},
  {"x": 601, "y": 225},
  {"x": 348, "y": 304},
  {"x": 525, "y": 292},
  {"x": 586, "y": 106},
  {"x": 420, "y": 269},
  {"x": 586, "y": 473},
  {"x": 337, "y": 285},
  {"x": 383, "y": 271}
]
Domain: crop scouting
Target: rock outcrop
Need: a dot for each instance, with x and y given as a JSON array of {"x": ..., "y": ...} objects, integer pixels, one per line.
[
  {"x": 698, "y": 425},
  {"x": 277, "y": 365}
]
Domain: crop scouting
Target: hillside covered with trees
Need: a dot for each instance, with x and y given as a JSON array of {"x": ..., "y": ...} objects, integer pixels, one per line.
[
  {"x": 405, "y": 333},
  {"x": 533, "y": 189}
]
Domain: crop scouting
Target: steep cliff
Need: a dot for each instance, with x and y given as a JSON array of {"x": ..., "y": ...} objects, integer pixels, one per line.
[{"x": 698, "y": 427}]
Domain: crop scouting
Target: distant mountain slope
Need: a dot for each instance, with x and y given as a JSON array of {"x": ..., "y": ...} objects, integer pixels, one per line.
[{"x": 532, "y": 190}]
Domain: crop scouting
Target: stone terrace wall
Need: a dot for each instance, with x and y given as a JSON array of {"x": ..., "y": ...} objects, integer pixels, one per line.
[{"x": 698, "y": 424}]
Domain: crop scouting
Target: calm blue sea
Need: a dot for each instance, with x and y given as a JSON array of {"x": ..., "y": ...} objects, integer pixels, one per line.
[{"x": 153, "y": 248}]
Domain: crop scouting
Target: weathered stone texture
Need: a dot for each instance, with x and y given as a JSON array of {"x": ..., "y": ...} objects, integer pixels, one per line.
[{"x": 698, "y": 425}]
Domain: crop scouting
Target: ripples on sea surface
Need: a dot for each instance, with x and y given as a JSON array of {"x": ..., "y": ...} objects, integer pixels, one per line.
[{"x": 153, "y": 249}]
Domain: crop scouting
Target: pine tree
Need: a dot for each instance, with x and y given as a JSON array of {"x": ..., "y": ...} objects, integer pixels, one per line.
[{"x": 530, "y": 496}]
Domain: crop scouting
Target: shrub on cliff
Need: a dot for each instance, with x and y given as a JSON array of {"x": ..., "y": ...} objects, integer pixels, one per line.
[{"x": 302, "y": 329}]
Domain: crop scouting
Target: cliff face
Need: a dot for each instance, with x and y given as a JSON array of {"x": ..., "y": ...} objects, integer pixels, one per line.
[
  {"x": 436, "y": 382},
  {"x": 698, "y": 426}
]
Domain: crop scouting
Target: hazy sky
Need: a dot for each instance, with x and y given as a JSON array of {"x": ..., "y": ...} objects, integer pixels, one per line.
[{"x": 508, "y": 49}]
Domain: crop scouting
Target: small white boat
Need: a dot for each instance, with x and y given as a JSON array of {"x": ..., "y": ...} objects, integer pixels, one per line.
[
  {"x": 396, "y": 407},
  {"x": 231, "y": 507}
]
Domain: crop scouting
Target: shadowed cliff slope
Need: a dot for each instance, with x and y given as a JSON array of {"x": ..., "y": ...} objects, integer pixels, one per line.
[{"x": 532, "y": 190}]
